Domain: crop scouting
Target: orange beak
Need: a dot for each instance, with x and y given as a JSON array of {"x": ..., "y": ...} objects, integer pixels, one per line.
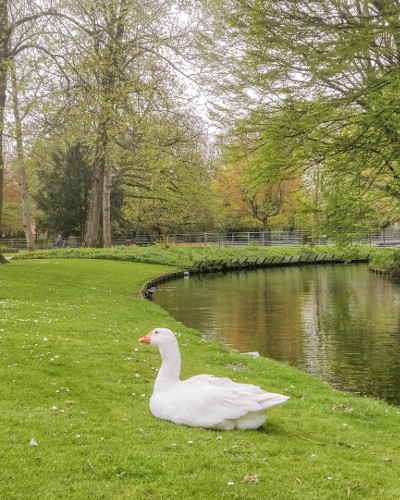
[{"x": 146, "y": 339}]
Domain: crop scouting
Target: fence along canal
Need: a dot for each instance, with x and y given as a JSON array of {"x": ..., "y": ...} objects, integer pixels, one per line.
[{"x": 270, "y": 238}]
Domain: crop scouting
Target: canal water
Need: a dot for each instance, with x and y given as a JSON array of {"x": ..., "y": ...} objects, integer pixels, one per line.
[{"x": 338, "y": 322}]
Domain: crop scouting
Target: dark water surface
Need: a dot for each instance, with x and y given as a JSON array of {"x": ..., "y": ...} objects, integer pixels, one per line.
[{"x": 338, "y": 322}]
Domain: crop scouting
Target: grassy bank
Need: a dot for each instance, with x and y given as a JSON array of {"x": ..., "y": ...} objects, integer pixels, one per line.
[
  {"x": 75, "y": 380},
  {"x": 386, "y": 261},
  {"x": 185, "y": 256}
]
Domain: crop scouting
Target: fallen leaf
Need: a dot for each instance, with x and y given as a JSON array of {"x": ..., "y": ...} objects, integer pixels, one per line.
[
  {"x": 250, "y": 479},
  {"x": 343, "y": 408},
  {"x": 69, "y": 402}
]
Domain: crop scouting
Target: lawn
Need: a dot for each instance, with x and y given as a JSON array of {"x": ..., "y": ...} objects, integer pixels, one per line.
[{"x": 75, "y": 380}]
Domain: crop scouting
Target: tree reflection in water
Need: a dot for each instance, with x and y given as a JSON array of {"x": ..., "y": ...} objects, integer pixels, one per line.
[{"x": 338, "y": 322}]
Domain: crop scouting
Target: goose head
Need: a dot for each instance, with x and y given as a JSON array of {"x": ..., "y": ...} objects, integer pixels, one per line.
[{"x": 159, "y": 337}]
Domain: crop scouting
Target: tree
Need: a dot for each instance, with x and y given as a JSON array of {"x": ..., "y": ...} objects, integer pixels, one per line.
[
  {"x": 120, "y": 76},
  {"x": 3, "y": 89},
  {"x": 26, "y": 217},
  {"x": 327, "y": 74},
  {"x": 63, "y": 193},
  {"x": 12, "y": 223},
  {"x": 15, "y": 17},
  {"x": 168, "y": 179},
  {"x": 254, "y": 203}
]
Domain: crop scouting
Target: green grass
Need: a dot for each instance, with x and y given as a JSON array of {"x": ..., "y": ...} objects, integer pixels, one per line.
[
  {"x": 74, "y": 378},
  {"x": 388, "y": 261},
  {"x": 184, "y": 256}
]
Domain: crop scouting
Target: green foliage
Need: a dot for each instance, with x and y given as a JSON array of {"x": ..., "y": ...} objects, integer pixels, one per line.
[
  {"x": 167, "y": 183},
  {"x": 76, "y": 381},
  {"x": 321, "y": 83},
  {"x": 386, "y": 261},
  {"x": 63, "y": 191}
]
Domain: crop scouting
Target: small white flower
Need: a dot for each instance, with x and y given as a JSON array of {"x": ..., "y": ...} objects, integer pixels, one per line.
[
  {"x": 78, "y": 436},
  {"x": 33, "y": 442},
  {"x": 219, "y": 437},
  {"x": 230, "y": 483},
  {"x": 190, "y": 442},
  {"x": 54, "y": 407}
]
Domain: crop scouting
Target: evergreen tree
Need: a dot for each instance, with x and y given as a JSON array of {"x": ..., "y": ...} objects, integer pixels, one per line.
[{"x": 63, "y": 194}]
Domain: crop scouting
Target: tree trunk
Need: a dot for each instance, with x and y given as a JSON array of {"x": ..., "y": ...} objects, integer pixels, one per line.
[
  {"x": 93, "y": 223},
  {"x": 265, "y": 224},
  {"x": 26, "y": 216},
  {"x": 3, "y": 87},
  {"x": 266, "y": 235},
  {"x": 107, "y": 210}
]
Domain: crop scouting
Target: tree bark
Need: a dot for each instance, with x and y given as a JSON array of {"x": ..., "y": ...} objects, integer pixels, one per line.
[
  {"x": 26, "y": 216},
  {"x": 93, "y": 223},
  {"x": 3, "y": 87},
  {"x": 107, "y": 210}
]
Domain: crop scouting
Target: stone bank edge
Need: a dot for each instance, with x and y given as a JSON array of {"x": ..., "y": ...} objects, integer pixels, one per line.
[{"x": 221, "y": 265}]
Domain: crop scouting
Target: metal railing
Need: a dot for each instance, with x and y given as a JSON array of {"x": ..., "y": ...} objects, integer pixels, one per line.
[{"x": 249, "y": 238}]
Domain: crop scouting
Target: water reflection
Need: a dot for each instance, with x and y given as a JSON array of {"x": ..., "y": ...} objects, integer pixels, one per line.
[{"x": 339, "y": 322}]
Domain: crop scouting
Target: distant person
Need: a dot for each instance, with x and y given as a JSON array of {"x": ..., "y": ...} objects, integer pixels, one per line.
[{"x": 59, "y": 241}]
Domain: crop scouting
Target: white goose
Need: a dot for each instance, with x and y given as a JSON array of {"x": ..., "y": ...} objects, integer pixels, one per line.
[{"x": 203, "y": 400}]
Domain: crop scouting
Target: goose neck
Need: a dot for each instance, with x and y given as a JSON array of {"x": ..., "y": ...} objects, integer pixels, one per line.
[{"x": 170, "y": 366}]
